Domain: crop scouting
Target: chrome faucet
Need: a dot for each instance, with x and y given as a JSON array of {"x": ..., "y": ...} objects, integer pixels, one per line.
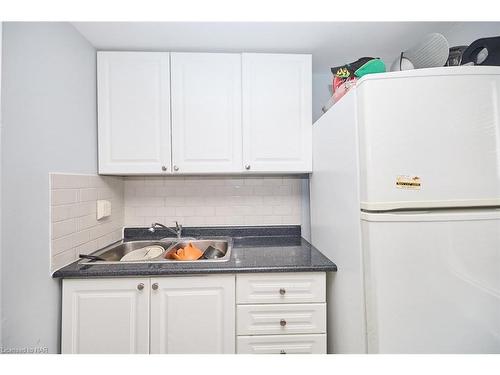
[{"x": 177, "y": 231}]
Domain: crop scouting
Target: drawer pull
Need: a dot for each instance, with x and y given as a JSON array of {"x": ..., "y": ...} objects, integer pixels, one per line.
[
  {"x": 282, "y": 322},
  {"x": 282, "y": 351},
  {"x": 282, "y": 291}
]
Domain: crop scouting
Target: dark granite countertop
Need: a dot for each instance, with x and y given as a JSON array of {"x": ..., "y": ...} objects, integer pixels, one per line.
[{"x": 255, "y": 249}]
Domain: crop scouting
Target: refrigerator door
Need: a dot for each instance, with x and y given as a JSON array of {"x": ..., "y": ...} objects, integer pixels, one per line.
[
  {"x": 432, "y": 282},
  {"x": 430, "y": 138}
]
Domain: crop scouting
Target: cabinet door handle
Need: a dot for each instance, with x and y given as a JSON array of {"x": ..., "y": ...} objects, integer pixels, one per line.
[
  {"x": 154, "y": 286},
  {"x": 176, "y": 168},
  {"x": 140, "y": 286},
  {"x": 282, "y": 291},
  {"x": 247, "y": 167},
  {"x": 282, "y": 322},
  {"x": 163, "y": 168},
  {"x": 282, "y": 351}
]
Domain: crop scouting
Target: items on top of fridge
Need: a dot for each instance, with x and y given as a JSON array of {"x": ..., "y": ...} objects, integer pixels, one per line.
[
  {"x": 455, "y": 55},
  {"x": 432, "y": 51},
  {"x": 485, "y": 51},
  {"x": 345, "y": 76},
  {"x": 359, "y": 68}
]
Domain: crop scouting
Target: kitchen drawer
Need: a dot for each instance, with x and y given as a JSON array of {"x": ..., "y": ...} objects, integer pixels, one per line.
[
  {"x": 300, "y": 287},
  {"x": 281, "y": 319},
  {"x": 282, "y": 344}
]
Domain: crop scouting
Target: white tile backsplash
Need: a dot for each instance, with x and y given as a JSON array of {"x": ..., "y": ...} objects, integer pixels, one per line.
[
  {"x": 74, "y": 227},
  {"x": 140, "y": 201},
  {"x": 213, "y": 200}
]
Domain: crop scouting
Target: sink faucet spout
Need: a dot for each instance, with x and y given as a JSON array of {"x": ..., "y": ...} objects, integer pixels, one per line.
[{"x": 177, "y": 231}]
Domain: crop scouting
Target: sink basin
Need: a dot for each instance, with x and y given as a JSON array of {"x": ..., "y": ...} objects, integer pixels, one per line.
[
  {"x": 223, "y": 244},
  {"x": 113, "y": 253}
]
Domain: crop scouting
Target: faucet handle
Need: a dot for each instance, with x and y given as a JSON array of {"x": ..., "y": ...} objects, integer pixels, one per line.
[{"x": 178, "y": 229}]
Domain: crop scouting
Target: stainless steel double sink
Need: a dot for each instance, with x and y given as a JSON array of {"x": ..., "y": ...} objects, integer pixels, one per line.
[{"x": 113, "y": 253}]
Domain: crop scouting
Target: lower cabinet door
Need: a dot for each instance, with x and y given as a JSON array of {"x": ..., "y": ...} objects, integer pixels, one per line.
[
  {"x": 105, "y": 316},
  {"x": 282, "y": 344},
  {"x": 193, "y": 314}
]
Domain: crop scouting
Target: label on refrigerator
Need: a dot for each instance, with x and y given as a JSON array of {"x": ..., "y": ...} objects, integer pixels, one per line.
[{"x": 408, "y": 182}]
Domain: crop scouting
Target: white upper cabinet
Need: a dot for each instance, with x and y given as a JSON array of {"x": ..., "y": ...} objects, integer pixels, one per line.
[
  {"x": 206, "y": 112},
  {"x": 133, "y": 112},
  {"x": 277, "y": 119},
  {"x": 231, "y": 113}
]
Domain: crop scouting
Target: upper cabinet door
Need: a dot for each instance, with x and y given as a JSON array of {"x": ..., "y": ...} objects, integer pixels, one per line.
[
  {"x": 277, "y": 119},
  {"x": 133, "y": 112},
  {"x": 206, "y": 112}
]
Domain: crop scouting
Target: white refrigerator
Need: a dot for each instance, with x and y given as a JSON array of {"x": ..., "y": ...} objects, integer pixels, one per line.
[{"x": 405, "y": 199}]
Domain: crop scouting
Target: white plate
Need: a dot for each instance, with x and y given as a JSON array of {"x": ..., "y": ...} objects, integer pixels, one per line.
[{"x": 144, "y": 253}]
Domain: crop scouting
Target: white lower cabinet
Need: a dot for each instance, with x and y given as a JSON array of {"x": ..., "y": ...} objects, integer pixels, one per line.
[
  {"x": 149, "y": 315},
  {"x": 193, "y": 315},
  {"x": 244, "y": 313},
  {"x": 105, "y": 316},
  {"x": 277, "y": 344},
  {"x": 280, "y": 313}
]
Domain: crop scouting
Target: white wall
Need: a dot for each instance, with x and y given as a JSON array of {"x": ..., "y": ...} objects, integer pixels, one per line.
[
  {"x": 73, "y": 208},
  {"x": 464, "y": 33},
  {"x": 49, "y": 125},
  {"x": 321, "y": 92}
]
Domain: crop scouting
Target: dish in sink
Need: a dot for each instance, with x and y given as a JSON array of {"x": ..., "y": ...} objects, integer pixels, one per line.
[{"x": 207, "y": 250}]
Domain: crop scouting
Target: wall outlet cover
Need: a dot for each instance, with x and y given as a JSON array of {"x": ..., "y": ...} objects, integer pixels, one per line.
[{"x": 103, "y": 209}]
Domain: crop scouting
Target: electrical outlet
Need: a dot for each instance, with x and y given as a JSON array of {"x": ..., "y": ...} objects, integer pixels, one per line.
[{"x": 103, "y": 209}]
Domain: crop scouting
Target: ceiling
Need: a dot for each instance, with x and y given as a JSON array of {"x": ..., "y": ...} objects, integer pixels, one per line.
[{"x": 330, "y": 43}]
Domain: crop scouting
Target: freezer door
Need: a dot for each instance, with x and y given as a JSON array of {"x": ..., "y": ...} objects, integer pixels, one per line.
[
  {"x": 430, "y": 138},
  {"x": 432, "y": 282}
]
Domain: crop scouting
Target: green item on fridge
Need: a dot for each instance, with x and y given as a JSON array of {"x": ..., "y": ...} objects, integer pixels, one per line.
[{"x": 370, "y": 67}]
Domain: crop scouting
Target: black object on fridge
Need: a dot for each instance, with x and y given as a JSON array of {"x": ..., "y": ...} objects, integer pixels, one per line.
[
  {"x": 455, "y": 56},
  {"x": 485, "y": 51}
]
